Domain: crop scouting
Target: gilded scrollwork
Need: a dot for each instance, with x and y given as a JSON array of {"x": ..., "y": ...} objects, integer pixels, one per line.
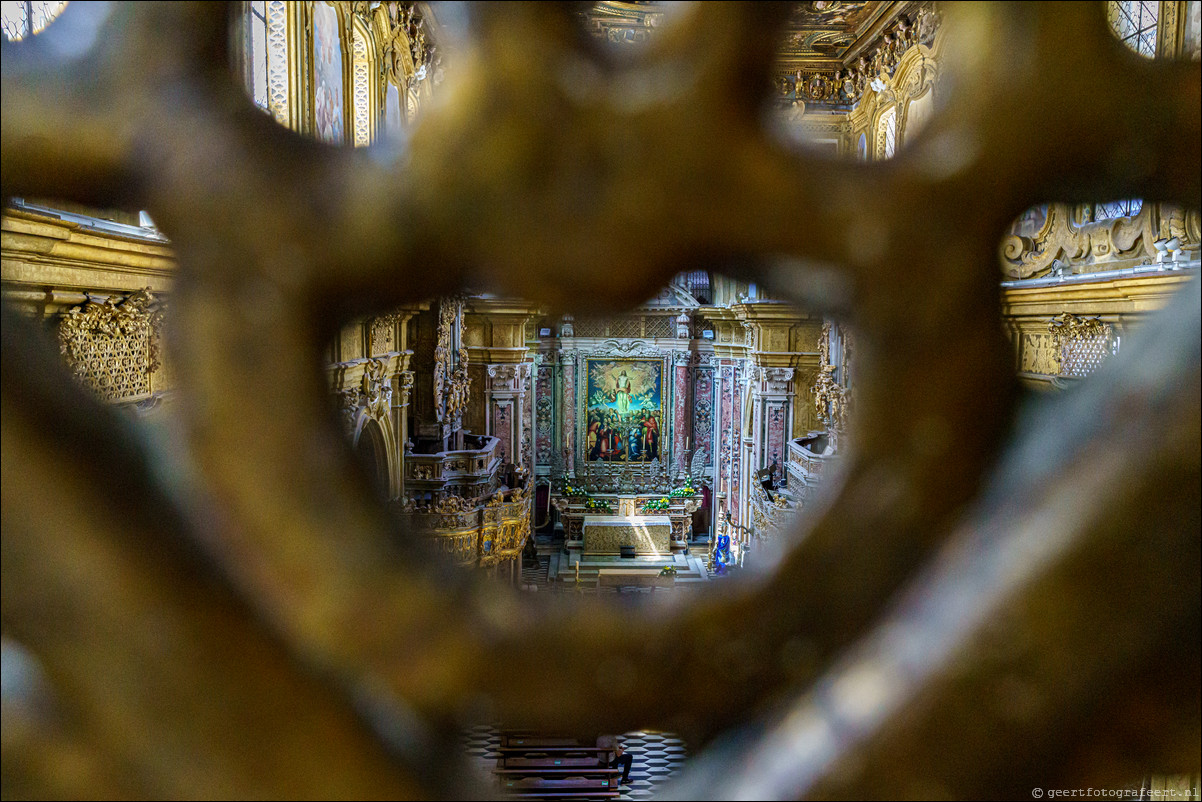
[
  {"x": 1063, "y": 246},
  {"x": 113, "y": 346}
]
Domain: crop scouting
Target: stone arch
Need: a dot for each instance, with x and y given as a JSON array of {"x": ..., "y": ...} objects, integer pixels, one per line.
[{"x": 371, "y": 447}]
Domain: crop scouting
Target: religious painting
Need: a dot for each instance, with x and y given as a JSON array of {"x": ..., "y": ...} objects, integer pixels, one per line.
[
  {"x": 328, "y": 88},
  {"x": 624, "y": 410},
  {"x": 1030, "y": 222}
]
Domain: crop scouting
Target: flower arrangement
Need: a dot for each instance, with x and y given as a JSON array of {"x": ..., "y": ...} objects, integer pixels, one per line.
[
  {"x": 668, "y": 570},
  {"x": 656, "y": 504},
  {"x": 598, "y": 505},
  {"x": 575, "y": 492},
  {"x": 683, "y": 492}
]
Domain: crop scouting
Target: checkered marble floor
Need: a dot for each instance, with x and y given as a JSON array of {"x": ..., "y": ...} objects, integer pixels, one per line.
[{"x": 657, "y": 756}]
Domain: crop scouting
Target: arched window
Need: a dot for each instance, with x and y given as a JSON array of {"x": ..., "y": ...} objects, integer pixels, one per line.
[
  {"x": 1121, "y": 208},
  {"x": 886, "y": 134},
  {"x": 1135, "y": 23},
  {"x": 21, "y": 20}
]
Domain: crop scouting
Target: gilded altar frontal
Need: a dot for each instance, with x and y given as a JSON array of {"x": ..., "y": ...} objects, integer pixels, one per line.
[{"x": 604, "y": 400}]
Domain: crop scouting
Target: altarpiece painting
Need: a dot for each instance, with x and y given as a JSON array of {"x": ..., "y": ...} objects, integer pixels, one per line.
[{"x": 624, "y": 410}]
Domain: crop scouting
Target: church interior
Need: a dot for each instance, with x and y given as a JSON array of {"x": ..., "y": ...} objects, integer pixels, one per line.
[{"x": 601, "y": 400}]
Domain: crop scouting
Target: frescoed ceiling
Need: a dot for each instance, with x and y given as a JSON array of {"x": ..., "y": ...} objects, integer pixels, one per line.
[
  {"x": 820, "y": 33},
  {"x": 830, "y": 46}
]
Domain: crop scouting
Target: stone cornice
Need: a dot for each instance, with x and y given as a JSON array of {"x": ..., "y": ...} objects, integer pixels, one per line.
[
  {"x": 44, "y": 251},
  {"x": 1134, "y": 294}
]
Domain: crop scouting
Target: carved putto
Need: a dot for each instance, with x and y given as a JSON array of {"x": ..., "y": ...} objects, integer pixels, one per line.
[{"x": 846, "y": 85}]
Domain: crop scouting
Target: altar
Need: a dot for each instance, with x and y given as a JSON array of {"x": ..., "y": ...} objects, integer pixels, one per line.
[
  {"x": 615, "y": 520},
  {"x": 606, "y": 534}
]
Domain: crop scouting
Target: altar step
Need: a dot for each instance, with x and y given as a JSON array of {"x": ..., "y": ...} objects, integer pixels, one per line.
[{"x": 690, "y": 570}]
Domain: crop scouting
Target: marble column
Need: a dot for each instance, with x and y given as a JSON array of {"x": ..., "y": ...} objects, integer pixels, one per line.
[
  {"x": 508, "y": 385},
  {"x": 567, "y": 407},
  {"x": 776, "y": 413},
  {"x": 544, "y": 411},
  {"x": 681, "y": 419}
]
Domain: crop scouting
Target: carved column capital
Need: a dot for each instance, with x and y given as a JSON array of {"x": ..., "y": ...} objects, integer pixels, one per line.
[{"x": 777, "y": 381}]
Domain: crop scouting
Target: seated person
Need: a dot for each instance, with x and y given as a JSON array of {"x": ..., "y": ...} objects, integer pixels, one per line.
[{"x": 619, "y": 756}]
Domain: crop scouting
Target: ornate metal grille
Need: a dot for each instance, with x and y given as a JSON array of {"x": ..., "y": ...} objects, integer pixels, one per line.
[
  {"x": 984, "y": 601},
  {"x": 1083, "y": 343},
  {"x": 113, "y": 346}
]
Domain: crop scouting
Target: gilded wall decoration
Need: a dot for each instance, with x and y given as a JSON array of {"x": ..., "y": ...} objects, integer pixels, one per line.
[
  {"x": 113, "y": 346},
  {"x": 383, "y": 334},
  {"x": 620, "y": 326},
  {"x": 1037, "y": 353}
]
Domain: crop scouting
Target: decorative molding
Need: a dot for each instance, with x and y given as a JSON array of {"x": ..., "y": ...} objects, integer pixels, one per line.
[
  {"x": 509, "y": 377},
  {"x": 626, "y": 348},
  {"x": 376, "y": 389}
]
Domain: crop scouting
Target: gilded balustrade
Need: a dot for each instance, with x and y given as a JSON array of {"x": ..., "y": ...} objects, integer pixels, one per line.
[
  {"x": 473, "y": 535},
  {"x": 465, "y": 472}
]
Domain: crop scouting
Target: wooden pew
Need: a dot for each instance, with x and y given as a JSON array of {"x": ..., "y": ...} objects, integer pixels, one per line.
[
  {"x": 540, "y": 766},
  {"x": 565, "y": 787}
]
